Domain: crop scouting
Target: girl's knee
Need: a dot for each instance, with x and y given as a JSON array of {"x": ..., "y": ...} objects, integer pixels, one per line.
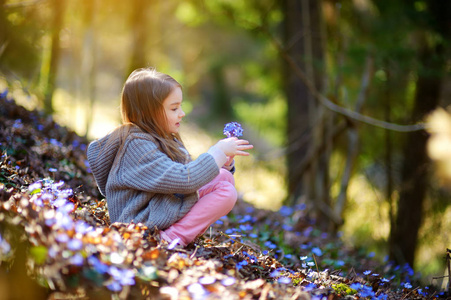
[
  {"x": 225, "y": 175},
  {"x": 230, "y": 196}
]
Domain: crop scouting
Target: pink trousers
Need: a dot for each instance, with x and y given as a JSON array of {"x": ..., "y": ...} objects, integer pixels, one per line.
[{"x": 216, "y": 199}]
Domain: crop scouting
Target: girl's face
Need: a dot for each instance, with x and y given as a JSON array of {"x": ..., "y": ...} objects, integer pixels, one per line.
[{"x": 173, "y": 109}]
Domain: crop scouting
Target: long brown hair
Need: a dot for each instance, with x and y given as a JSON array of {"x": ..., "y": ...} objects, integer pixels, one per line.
[{"x": 142, "y": 105}]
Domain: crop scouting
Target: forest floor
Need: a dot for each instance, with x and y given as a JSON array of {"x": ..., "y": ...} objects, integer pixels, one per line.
[{"x": 56, "y": 240}]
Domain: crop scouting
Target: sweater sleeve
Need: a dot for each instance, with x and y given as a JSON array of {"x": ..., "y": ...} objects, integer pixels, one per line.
[{"x": 144, "y": 167}]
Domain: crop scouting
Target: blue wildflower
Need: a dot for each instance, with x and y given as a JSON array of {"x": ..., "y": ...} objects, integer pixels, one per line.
[
  {"x": 207, "y": 280},
  {"x": 62, "y": 238},
  {"x": 366, "y": 291},
  {"x": 270, "y": 245},
  {"x": 174, "y": 243},
  {"x": 228, "y": 281},
  {"x": 229, "y": 231},
  {"x": 284, "y": 280},
  {"x": 286, "y": 211},
  {"x": 4, "y": 246},
  {"x": 114, "y": 286},
  {"x": 274, "y": 273},
  {"x": 35, "y": 186},
  {"x": 368, "y": 272},
  {"x": 310, "y": 287},
  {"x": 287, "y": 227},
  {"x": 407, "y": 285},
  {"x": 241, "y": 264},
  {"x": 64, "y": 221},
  {"x": 74, "y": 244},
  {"x": 82, "y": 227},
  {"x": 301, "y": 206},
  {"x": 317, "y": 251},
  {"x": 233, "y": 129},
  {"x": 66, "y": 208},
  {"x": 253, "y": 235},
  {"x": 197, "y": 290},
  {"x": 99, "y": 266},
  {"x": 4, "y": 94},
  {"x": 77, "y": 259},
  {"x": 18, "y": 124}
]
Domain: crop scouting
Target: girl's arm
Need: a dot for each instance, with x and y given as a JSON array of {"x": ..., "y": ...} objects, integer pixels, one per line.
[{"x": 144, "y": 167}]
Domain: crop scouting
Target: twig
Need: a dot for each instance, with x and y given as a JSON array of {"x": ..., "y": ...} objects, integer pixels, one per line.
[
  {"x": 316, "y": 263},
  {"x": 405, "y": 296},
  {"x": 448, "y": 260},
  {"x": 194, "y": 253}
]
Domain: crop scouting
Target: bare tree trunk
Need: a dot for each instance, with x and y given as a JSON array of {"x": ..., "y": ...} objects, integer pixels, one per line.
[
  {"x": 89, "y": 59},
  {"x": 55, "y": 53},
  {"x": 138, "y": 22},
  {"x": 404, "y": 234},
  {"x": 303, "y": 43}
]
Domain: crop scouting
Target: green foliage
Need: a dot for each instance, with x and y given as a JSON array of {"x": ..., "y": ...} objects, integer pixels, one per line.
[
  {"x": 39, "y": 254},
  {"x": 343, "y": 289}
]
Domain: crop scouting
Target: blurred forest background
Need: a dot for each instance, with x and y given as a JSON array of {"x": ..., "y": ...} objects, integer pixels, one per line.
[{"x": 335, "y": 96}]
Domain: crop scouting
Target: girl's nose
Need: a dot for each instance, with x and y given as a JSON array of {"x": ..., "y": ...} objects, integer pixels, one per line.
[{"x": 182, "y": 113}]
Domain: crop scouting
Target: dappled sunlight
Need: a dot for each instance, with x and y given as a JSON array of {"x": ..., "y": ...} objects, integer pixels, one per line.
[
  {"x": 366, "y": 217},
  {"x": 430, "y": 255},
  {"x": 72, "y": 113},
  {"x": 255, "y": 183}
]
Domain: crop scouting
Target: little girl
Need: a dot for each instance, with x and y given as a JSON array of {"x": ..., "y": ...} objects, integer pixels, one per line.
[{"x": 145, "y": 172}]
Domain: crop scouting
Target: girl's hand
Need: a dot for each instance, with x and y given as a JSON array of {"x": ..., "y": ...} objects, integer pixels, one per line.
[{"x": 234, "y": 146}]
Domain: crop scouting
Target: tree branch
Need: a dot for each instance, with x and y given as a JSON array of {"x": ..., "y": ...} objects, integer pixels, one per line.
[{"x": 332, "y": 106}]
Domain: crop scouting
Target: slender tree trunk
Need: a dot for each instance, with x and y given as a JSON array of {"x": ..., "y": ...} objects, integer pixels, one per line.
[
  {"x": 404, "y": 234},
  {"x": 89, "y": 59},
  {"x": 303, "y": 42},
  {"x": 139, "y": 21},
  {"x": 221, "y": 105},
  {"x": 55, "y": 53}
]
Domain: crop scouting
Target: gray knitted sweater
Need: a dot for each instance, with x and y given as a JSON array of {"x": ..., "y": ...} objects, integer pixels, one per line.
[{"x": 142, "y": 184}]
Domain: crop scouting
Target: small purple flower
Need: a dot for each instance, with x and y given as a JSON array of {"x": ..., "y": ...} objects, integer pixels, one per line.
[
  {"x": 207, "y": 280},
  {"x": 197, "y": 290},
  {"x": 82, "y": 227},
  {"x": 74, "y": 244},
  {"x": 77, "y": 259},
  {"x": 66, "y": 208},
  {"x": 284, "y": 280},
  {"x": 286, "y": 211},
  {"x": 233, "y": 129},
  {"x": 64, "y": 221},
  {"x": 35, "y": 186},
  {"x": 99, "y": 266},
  {"x": 4, "y": 246},
  {"x": 228, "y": 281},
  {"x": 114, "y": 286},
  {"x": 174, "y": 243},
  {"x": 62, "y": 238}
]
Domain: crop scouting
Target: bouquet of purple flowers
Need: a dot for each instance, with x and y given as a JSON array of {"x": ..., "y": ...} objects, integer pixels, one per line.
[{"x": 233, "y": 129}]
